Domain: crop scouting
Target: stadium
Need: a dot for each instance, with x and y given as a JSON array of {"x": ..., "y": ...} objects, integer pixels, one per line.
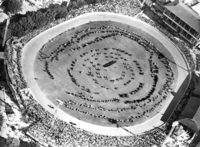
[
  {"x": 36, "y": 67},
  {"x": 102, "y": 77}
]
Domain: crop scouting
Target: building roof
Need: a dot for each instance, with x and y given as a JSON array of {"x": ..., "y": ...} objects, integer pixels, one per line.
[
  {"x": 191, "y": 107},
  {"x": 185, "y": 13}
]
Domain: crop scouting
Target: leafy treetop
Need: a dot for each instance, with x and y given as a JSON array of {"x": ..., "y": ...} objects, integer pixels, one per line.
[{"x": 12, "y": 6}]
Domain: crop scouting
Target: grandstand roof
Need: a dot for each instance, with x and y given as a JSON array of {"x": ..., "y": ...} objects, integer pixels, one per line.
[
  {"x": 185, "y": 13},
  {"x": 192, "y": 109},
  {"x": 177, "y": 98}
]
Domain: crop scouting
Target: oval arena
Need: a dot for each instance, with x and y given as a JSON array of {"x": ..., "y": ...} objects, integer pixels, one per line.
[{"x": 110, "y": 71}]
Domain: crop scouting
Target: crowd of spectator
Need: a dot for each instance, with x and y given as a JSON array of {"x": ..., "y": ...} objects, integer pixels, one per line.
[{"x": 63, "y": 133}]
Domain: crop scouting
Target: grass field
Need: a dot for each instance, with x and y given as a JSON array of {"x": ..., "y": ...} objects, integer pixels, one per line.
[{"x": 100, "y": 93}]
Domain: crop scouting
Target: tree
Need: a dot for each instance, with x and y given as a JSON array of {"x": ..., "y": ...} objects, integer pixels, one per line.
[
  {"x": 29, "y": 144},
  {"x": 10, "y": 7},
  {"x": 81, "y": 3},
  {"x": 64, "y": 3},
  {"x": 17, "y": 30},
  {"x": 39, "y": 19},
  {"x": 91, "y": 1},
  {"x": 72, "y": 5},
  {"x": 12, "y": 142}
]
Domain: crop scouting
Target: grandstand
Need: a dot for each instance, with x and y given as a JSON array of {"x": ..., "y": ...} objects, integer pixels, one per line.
[{"x": 179, "y": 18}]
